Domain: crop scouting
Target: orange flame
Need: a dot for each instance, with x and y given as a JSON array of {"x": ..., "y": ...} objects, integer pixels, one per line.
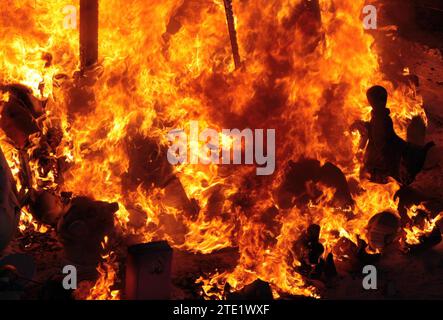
[{"x": 164, "y": 63}]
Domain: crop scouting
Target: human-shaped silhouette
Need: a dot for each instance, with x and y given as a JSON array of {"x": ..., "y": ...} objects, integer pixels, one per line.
[{"x": 387, "y": 155}]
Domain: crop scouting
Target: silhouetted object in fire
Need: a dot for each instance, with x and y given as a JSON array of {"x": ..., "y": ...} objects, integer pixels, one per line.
[
  {"x": 19, "y": 114},
  {"x": 83, "y": 228},
  {"x": 308, "y": 250},
  {"x": 257, "y": 290},
  {"x": 306, "y": 19},
  {"x": 300, "y": 185},
  {"x": 408, "y": 197},
  {"x": 387, "y": 155},
  {"x": 148, "y": 271},
  {"x": 330, "y": 268},
  {"x": 88, "y": 33},
  {"x": 46, "y": 206},
  {"x": 232, "y": 32},
  {"x": 426, "y": 241},
  {"x": 382, "y": 229},
  {"x": 351, "y": 257},
  {"x": 9, "y": 205}
]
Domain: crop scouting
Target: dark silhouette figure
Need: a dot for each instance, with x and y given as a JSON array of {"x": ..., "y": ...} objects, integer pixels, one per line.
[{"x": 387, "y": 155}]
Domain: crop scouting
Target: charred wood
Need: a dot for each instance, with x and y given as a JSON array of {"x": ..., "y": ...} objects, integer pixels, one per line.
[
  {"x": 232, "y": 32},
  {"x": 88, "y": 33}
]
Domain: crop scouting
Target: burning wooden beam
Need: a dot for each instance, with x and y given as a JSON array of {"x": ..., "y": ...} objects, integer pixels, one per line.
[
  {"x": 88, "y": 33},
  {"x": 232, "y": 32}
]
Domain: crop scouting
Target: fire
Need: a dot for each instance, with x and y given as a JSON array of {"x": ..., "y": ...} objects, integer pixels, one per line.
[
  {"x": 27, "y": 222},
  {"x": 4, "y": 97},
  {"x": 415, "y": 233},
  {"x": 107, "y": 274},
  {"x": 165, "y": 63}
]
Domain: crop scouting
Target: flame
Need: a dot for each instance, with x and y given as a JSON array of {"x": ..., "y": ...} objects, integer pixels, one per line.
[
  {"x": 107, "y": 270},
  {"x": 4, "y": 97},
  {"x": 165, "y": 63},
  {"x": 414, "y": 233},
  {"x": 27, "y": 222}
]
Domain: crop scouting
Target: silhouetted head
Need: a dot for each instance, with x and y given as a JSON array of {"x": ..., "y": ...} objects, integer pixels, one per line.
[{"x": 377, "y": 97}]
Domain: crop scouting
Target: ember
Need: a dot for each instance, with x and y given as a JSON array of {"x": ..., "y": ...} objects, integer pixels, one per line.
[{"x": 89, "y": 118}]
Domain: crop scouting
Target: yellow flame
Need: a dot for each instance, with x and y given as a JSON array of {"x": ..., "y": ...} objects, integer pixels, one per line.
[{"x": 164, "y": 63}]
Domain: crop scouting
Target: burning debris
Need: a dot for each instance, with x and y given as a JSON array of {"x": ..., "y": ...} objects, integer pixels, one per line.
[
  {"x": 309, "y": 250},
  {"x": 301, "y": 184},
  {"x": 19, "y": 114},
  {"x": 85, "y": 149},
  {"x": 83, "y": 227}
]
